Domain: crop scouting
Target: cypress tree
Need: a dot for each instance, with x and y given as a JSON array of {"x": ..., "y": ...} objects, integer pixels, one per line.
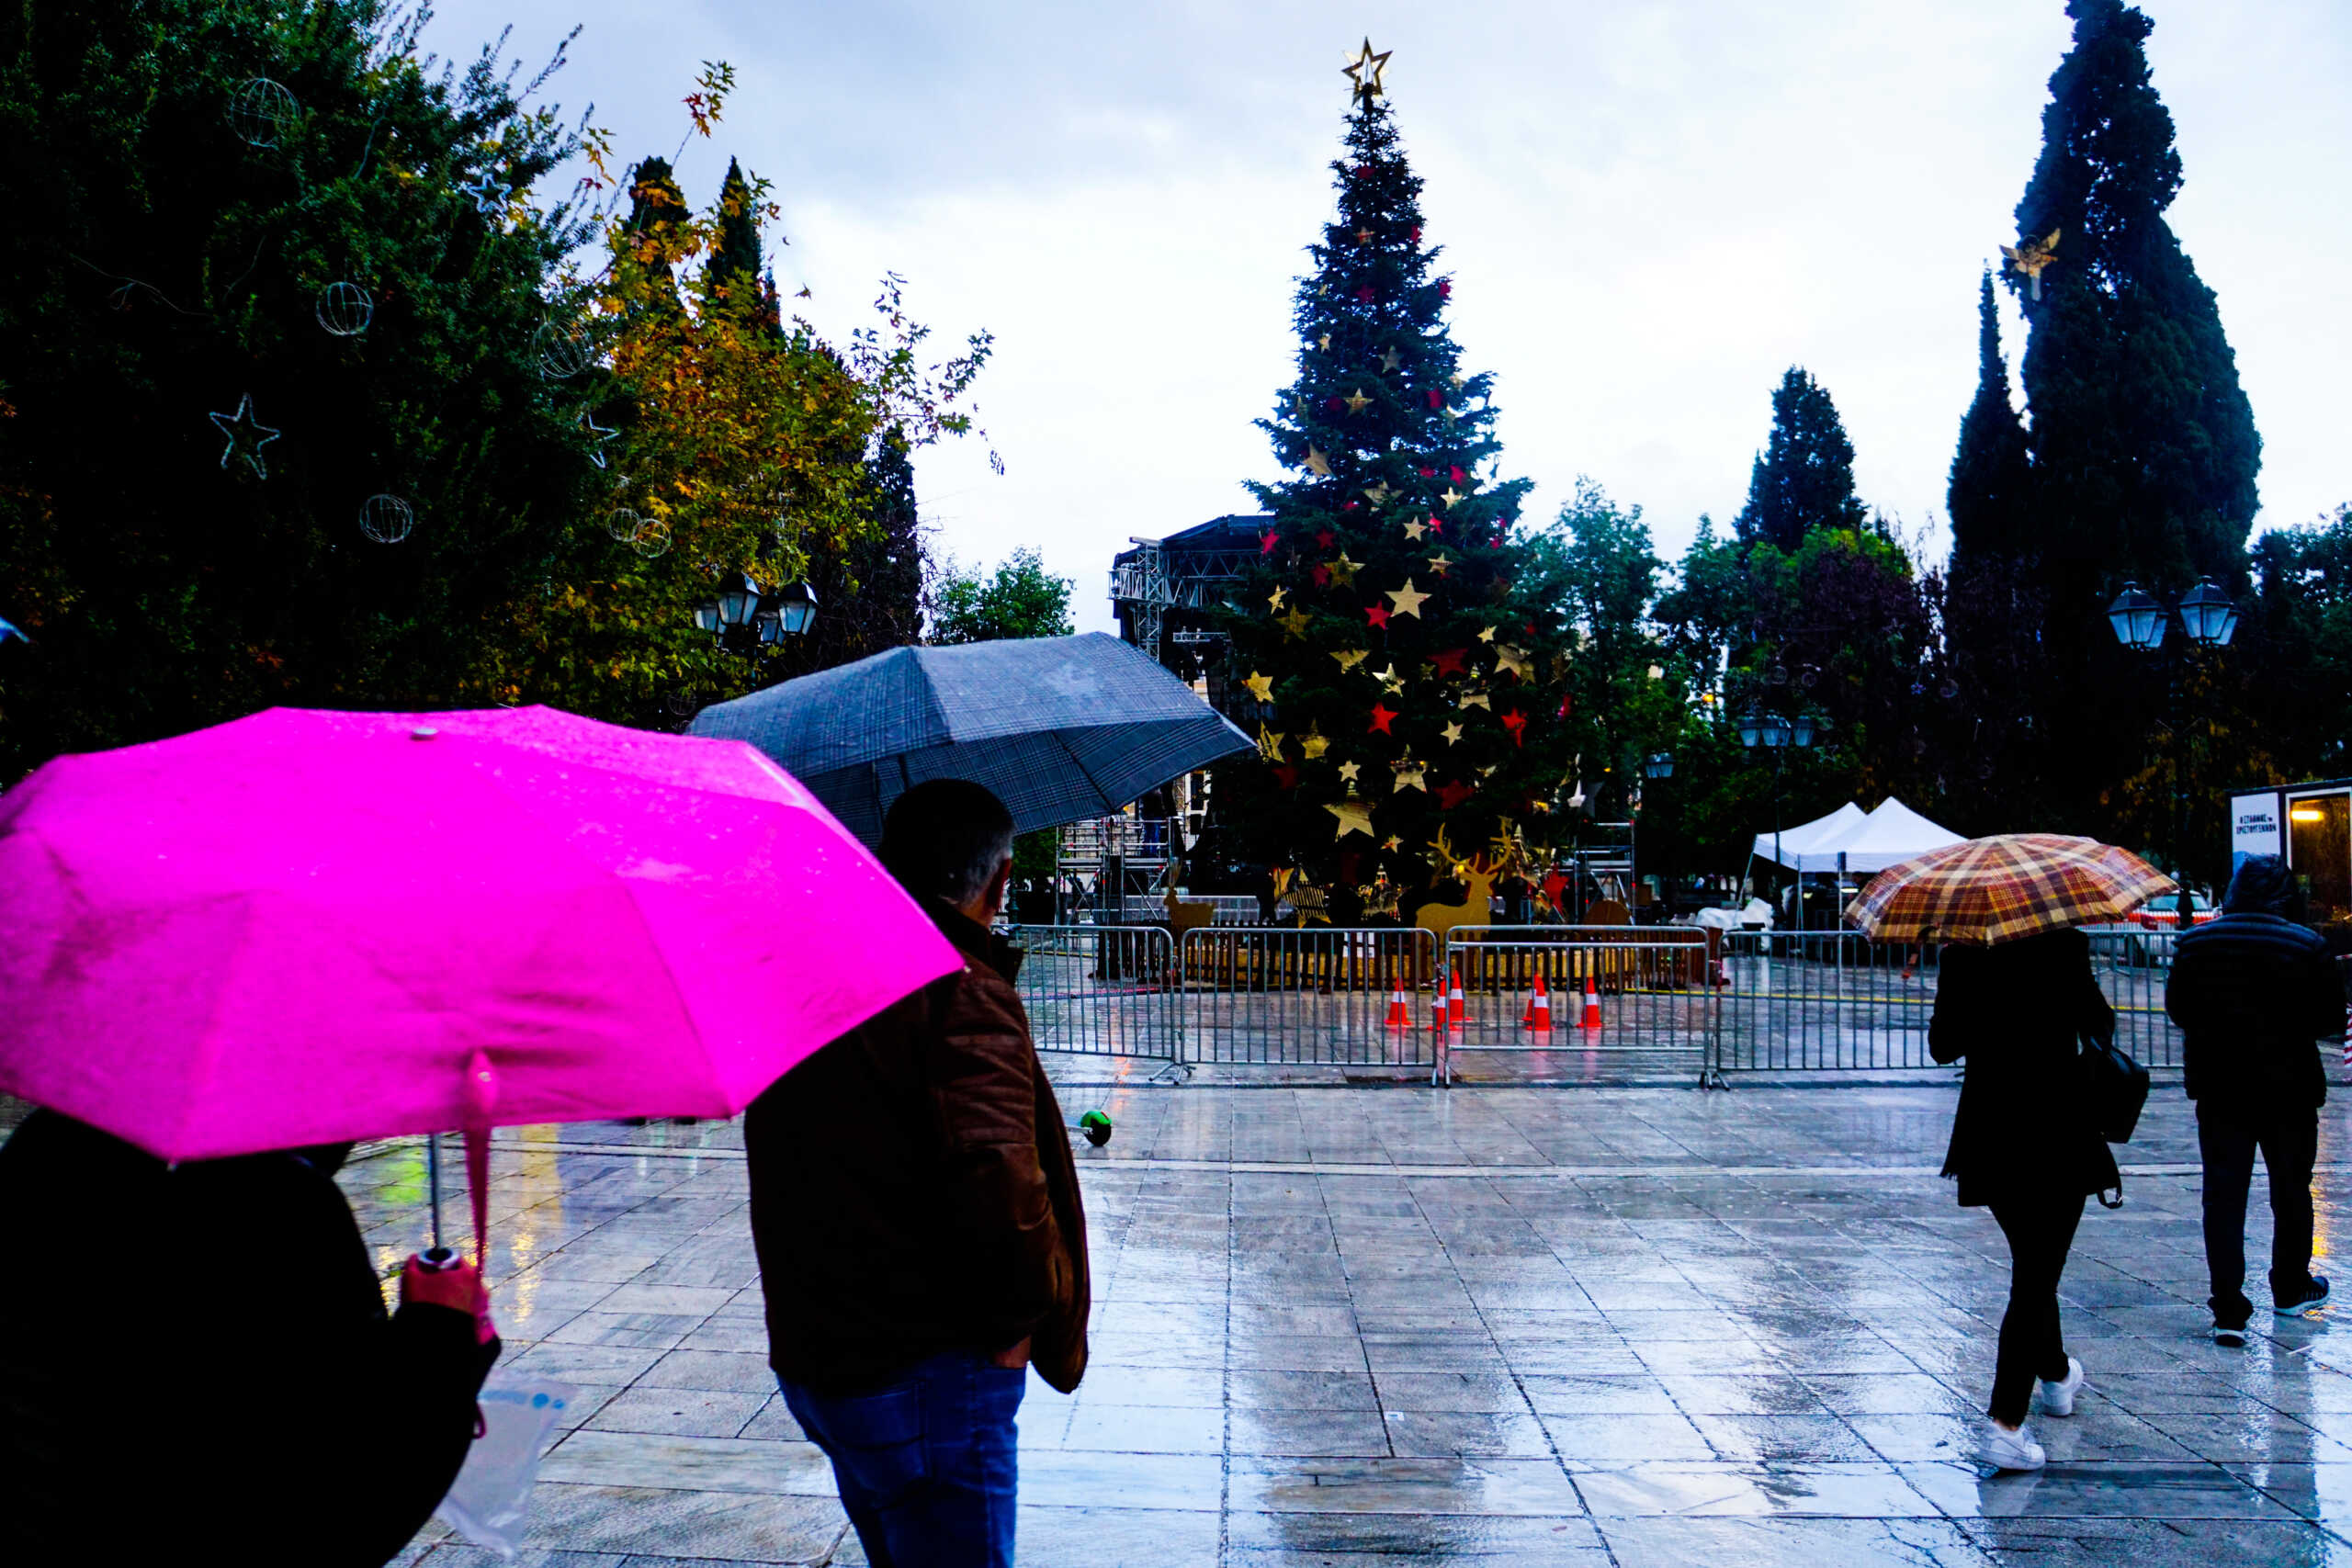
[
  {"x": 1803, "y": 479},
  {"x": 736, "y": 266},
  {"x": 1987, "y": 499},
  {"x": 2143, "y": 444}
]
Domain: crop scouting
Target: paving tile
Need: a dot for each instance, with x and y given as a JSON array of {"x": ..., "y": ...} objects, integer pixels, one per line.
[
  {"x": 1435, "y": 1434},
  {"x": 1146, "y": 1428},
  {"x": 1314, "y": 1433},
  {"x": 1402, "y": 1486},
  {"x": 1868, "y": 1490},
  {"x": 1619, "y": 1439},
  {"x": 1680, "y": 1541},
  {"x": 678, "y": 1412}
]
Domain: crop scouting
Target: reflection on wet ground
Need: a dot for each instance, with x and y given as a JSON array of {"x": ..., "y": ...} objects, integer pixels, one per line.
[{"x": 1383, "y": 1326}]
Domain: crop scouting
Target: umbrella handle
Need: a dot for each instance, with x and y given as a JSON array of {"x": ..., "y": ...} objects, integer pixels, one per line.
[
  {"x": 482, "y": 1097},
  {"x": 433, "y": 1181}
]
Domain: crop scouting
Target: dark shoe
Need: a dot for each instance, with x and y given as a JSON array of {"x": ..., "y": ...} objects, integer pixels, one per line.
[
  {"x": 2225, "y": 1335},
  {"x": 2313, "y": 1297}
]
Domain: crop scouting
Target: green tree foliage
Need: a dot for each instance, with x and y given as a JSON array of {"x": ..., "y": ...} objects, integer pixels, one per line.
[
  {"x": 1988, "y": 498},
  {"x": 1626, "y": 695},
  {"x": 1019, "y": 599},
  {"x": 204, "y": 171},
  {"x": 1406, "y": 664},
  {"x": 1803, "y": 479}
]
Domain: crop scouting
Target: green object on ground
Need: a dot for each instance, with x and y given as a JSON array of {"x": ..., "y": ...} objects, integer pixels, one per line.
[{"x": 1096, "y": 1125}]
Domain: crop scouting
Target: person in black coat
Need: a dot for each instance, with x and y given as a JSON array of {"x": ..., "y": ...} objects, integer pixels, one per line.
[
  {"x": 2023, "y": 1146},
  {"x": 2254, "y": 993},
  {"x": 197, "y": 1357}
]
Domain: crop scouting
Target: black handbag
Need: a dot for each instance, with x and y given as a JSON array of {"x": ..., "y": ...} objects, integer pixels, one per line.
[{"x": 2115, "y": 1089}]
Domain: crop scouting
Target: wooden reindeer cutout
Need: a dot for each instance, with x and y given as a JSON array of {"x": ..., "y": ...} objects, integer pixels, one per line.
[
  {"x": 1478, "y": 874},
  {"x": 1183, "y": 914}
]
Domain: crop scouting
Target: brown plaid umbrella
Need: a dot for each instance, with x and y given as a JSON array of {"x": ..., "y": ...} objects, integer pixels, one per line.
[{"x": 2003, "y": 889}]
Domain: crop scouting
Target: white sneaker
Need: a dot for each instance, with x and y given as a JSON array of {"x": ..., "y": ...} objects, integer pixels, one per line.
[
  {"x": 2058, "y": 1398},
  {"x": 2004, "y": 1450}
]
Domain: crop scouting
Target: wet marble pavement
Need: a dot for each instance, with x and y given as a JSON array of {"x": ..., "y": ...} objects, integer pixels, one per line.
[{"x": 1373, "y": 1326}]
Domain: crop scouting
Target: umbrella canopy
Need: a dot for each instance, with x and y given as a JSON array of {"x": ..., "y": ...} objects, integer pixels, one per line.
[
  {"x": 1059, "y": 727},
  {"x": 308, "y": 927},
  {"x": 2011, "y": 885}
]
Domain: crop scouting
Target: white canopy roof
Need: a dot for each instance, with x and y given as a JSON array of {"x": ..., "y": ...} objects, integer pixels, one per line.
[
  {"x": 1865, "y": 841},
  {"x": 1789, "y": 846}
]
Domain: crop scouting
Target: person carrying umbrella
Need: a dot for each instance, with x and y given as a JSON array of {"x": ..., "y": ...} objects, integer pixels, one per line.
[
  {"x": 2015, "y": 995},
  {"x": 2254, "y": 993},
  {"x": 916, "y": 1211}
]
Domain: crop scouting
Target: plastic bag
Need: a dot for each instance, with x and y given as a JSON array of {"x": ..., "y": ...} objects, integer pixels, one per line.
[{"x": 489, "y": 1503}]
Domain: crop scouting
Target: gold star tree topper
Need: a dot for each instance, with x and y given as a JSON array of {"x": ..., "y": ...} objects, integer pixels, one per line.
[{"x": 1364, "y": 73}]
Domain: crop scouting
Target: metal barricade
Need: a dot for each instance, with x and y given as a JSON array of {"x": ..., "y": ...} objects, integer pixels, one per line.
[
  {"x": 1099, "y": 990},
  {"x": 1319, "y": 996},
  {"x": 1613, "y": 991},
  {"x": 1825, "y": 1000},
  {"x": 2133, "y": 962}
]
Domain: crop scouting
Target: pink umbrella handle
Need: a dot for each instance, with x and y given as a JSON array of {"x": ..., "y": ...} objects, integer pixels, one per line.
[{"x": 482, "y": 1097}]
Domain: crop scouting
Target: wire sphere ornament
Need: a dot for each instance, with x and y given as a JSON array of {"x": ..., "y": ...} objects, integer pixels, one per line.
[
  {"x": 564, "y": 349},
  {"x": 385, "y": 519},
  {"x": 261, "y": 112},
  {"x": 623, "y": 525},
  {"x": 682, "y": 704},
  {"x": 344, "y": 308},
  {"x": 653, "y": 538}
]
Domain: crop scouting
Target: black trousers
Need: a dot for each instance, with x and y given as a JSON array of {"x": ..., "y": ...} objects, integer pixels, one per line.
[
  {"x": 2041, "y": 1231},
  {"x": 2227, "y": 1137}
]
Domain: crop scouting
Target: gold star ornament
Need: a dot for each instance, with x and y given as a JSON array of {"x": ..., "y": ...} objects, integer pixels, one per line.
[
  {"x": 1390, "y": 681},
  {"x": 1269, "y": 744},
  {"x": 1377, "y": 495},
  {"x": 1406, "y": 601},
  {"x": 1510, "y": 660},
  {"x": 1313, "y": 744},
  {"x": 1261, "y": 686},
  {"x": 1355, "y": 399},
  {"x": 1390, "y": 358},
  {"x": 1452, "y": 732},
  {"x": 1293, "y": 625},
  {"x": 1409, "y": 776},
  {"x": 1451, "y": 496},
  {"x": 1415, "y": 528},
  {"x": 1317, "y": 463},
  {"x": 1324, "y": 343},
  {"x": 1343, "y": 570},
  {"x": 1354, "y": 817},
  {"x": 1274, "y": 599},
  {"x": 1487, "y": 635},
  {"x": 1364, "y": 73},
  {"x": 1350, "y": 658},
  {"x": 1349, "y": 771},
  {"x": 1439, "y": 562},
  {"x": 1392, "y": 843}
]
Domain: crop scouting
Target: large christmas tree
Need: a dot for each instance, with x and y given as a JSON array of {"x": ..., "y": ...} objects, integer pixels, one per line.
[{"x": 1405, "y": 679}]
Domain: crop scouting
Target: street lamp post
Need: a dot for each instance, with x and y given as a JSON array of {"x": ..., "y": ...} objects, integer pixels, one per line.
[
  {"x": 742, "y": 617},
  {"x": 2207, "y": 620},
  {"x": 1776, "y": 734}
]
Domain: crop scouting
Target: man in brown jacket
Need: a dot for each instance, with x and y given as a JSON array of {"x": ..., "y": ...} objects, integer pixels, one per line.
[{"x": 916, "y": 1210}]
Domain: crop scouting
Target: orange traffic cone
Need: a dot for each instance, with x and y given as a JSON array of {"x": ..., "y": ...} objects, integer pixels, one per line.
[
  {"x": 1591, "y": 1004},
  {"x": 1455, "y": 1013},
  {"x": 1399, "y": 1016},
  {"x": 1539, "y": 1007},
  {"x": 1437, "y": 1003}
]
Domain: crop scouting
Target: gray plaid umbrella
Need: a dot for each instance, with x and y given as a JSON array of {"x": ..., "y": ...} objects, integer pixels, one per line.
[{"x": 1061, "y": 728}]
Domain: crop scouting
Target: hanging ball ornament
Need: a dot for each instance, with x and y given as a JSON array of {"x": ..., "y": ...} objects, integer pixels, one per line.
[
  {"x": 653, "y": 538},
  {"x": 385, "y": 519},
  {"x": 563, "y": 347},
  {"x": 344, "y": 308},
  {"x": 261, "y": 112},
  {"x": 623, "y": 525}
]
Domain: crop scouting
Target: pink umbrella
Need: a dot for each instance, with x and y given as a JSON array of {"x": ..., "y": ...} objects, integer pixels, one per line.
[{"x": 307, "y": 927}]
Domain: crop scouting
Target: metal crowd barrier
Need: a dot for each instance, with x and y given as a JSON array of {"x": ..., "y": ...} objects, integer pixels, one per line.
[
  {"x": 1319, "y": 996},
  {"x": 1099, "y": 990},
  {"x": 1610, "y": 990},
  {"x": 1828, "y": 1000}
]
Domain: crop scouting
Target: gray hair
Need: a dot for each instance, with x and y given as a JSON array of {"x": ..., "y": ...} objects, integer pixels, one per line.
[{"x": 945, "y": 838}]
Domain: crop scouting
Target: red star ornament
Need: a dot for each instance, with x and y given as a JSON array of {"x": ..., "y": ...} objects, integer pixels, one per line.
[
  {"x": 1417, "y": 233},
  {"x": 1363, "y": 169},
  {"x": 1446, "y": 289},
  {"x": 1286, "y": 776},
  {"x": 1377, "y": 615},
  {"x": 1431, "y": 473},
  {"x": 1382, "y": 718},
  {"x": 1450, "y": 663},
  {"x": 1453, "y": 794},
  {"x": 1437, "y": 398},
  {"x": 1516, "y": 722},
  {"x": 1363, "y": 293},
  {"x": 1322, "y": 575},
  {"x": 1323, "y": 537},
  {"x": 1457, "y": 475},
  {"x": 1556, "y": 887},
  {"x": 1436, "y": 527},
  {"x": 1266, "y": 542}
]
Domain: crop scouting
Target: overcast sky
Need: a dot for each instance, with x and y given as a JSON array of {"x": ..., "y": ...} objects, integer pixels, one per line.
[{"x": 1650, "y": 210}]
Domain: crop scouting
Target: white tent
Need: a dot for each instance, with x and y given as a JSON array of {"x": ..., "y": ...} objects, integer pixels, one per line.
[
  {"x": 1891, "y": 834},
  {"x": 1792, "y": 846}
]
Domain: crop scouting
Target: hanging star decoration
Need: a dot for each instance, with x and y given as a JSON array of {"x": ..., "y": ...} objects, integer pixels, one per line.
[
  {"x": 1487, "y": 635},
  {"x": 1511, "y": 661},
  {"x": 1323, "y": 537},
  {"x": 1451, "y": 497},
  {"x": 1350, "y": 658},
  {"x": 1390, "y": 681},
  {"x": 597, "y": 435},
  {"x": 1321, "y": 574},
  {"x": 1415, "y": 528},
  {"x": 1389, "y": 359},
  {"x": 247, "y": 435},
  {"x": 1451, "y": 662},
  {"x": 1267, "y": 541},
  {"x": 488, "y": 193},
  {"x": 1408, "y": 776},
  {"x": 1261, "y": 686},
  {"x": 1454, "y": 793},
  {"x": 1293, "y": 625},
  {"x": 1343, "y": 570},
  {"x": 1355, "y": 399},
  {"x": 1435, "y": 526},
  {"x": 1364, "y": 73},
  {"x": 1408, "y": 603},
  {"x": 1451, "y": 415},
  {"x": 1474, "y": 700},
  {"x": 1317, "y": 463},
  {"x": 1354, "y": 817},
  {"x": 1516, "y": 722},
  {"x": 1392, "y": 843},
  {"x": 1380, "y": 898},
  {"x": 1285, "y": 776},
  {"x": 1452, "y": 732},
  {"x": 1274, "y": 599},
  {"x": 1458, "y": 378},
  {"x": 1439, "y": 562},
  {"x": 1269, "y": 744},
  {"x": 1378, "y": 495},
  {"x": 1382, "y": 718},
  {"x": 2028, "y": 259},
  {"x": 1376, "y": 615},
  {"x": 1347, "y": 772},
  {"x": 1324, "y": 343},
  {"x": 1313, "y": 744}
]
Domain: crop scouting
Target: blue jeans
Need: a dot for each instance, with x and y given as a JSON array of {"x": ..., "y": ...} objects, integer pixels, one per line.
[{"x": 926, "y": 1466}]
